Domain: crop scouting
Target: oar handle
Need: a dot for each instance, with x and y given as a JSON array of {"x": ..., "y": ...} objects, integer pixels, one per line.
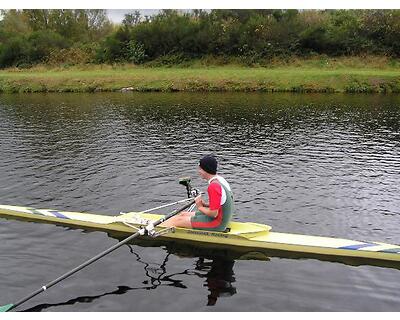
[{"x": 142, "y": 231}]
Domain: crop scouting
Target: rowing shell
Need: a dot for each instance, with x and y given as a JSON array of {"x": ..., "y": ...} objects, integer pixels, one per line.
[{"x": 243, "y": 235}]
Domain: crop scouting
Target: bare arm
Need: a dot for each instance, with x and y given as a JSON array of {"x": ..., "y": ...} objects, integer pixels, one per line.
[
  {"x": 208, "y": 212},
  {"x": 202, "y": 207}
]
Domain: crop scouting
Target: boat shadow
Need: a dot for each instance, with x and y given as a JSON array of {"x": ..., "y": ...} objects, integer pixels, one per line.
[{"x": 211, "y": 251}]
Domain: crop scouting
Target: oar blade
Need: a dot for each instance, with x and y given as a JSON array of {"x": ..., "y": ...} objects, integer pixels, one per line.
[{"x": 6, "y": 307}]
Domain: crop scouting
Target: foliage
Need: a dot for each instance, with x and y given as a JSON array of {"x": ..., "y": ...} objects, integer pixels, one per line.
[
  {"x": 132, "y": 19},
  {"x": 15, "y": 52},
  {"x": 42, "y": 43},
  {"x": 253, "y": 37},
  {"x": 258, "y": 35},
  {"x": 31, "y": 36},
  {"x": 71, "y": 56},
  {"x": 135, "y": 52}
]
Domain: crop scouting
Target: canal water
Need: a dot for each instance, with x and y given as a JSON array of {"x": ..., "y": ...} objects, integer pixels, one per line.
[{"x": 324, "y": 165}]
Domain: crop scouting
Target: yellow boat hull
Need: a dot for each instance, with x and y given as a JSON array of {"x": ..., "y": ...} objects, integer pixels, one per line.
[{"x": 242, "y": 235}]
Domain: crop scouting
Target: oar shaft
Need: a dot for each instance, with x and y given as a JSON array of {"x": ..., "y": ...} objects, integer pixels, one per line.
[
  {"x": 99, "y": 256},
  {"x": 80, "y": 267},
  {"x": 166, "y": 205}
]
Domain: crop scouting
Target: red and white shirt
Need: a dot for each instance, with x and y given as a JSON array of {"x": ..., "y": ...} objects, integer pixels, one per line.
[{"x": 217, "y": 195}]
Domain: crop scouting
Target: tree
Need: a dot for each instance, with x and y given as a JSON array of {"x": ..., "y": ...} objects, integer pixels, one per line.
[
  {"x": 132, "y": 19},
  {"x": 38, "y": 19},
  {"x": 15, "y": 23}
]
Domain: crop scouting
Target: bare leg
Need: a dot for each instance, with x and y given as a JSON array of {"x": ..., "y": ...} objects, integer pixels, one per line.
[
  {"x": 180, "y": 220},
  {"x": 186, "y": 214}
]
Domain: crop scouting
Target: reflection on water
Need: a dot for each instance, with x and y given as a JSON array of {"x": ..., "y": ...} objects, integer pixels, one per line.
[
  {"x": 214, "y": 267},
  {"x": 219, "y": 278},
  {"x": 311, "y": 164},
  {"x": 217, "y": 274}
]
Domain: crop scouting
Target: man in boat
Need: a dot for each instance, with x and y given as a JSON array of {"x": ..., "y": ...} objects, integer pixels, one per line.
[{"x": 215, "y": 215}]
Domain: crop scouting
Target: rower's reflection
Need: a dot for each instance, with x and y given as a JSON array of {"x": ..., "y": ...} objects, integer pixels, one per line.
[
  {"x": 217, "y": 272},
  {"x": 219, "y": 278}
]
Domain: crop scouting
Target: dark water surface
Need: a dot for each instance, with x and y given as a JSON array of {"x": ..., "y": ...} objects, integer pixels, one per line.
[{"x": 312, "y": 164}]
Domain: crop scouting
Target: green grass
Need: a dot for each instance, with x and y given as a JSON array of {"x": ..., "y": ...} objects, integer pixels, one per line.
[{"x": 293, "y": 77}]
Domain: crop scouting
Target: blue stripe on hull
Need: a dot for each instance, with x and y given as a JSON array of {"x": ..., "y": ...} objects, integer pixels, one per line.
[
  {"x": 359, "y": 246},
  {"x": 56, "y": 213}
]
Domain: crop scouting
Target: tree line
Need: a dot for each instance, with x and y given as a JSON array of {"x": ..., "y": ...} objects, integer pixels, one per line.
[{"x": 28, "y": 37}]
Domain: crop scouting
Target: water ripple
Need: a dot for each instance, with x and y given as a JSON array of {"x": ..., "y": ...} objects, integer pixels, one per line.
[{"x": 323, "y": 165}]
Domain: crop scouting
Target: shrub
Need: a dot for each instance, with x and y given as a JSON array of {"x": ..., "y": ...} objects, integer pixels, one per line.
[
  {"x": 70, "y": 56},
  {"x": 15, "y": 52},
  {"x": 43, "y": 42},
  {"x": 135, "y": 52}
]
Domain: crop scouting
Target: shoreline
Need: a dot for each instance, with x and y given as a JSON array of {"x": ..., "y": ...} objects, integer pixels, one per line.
[{"x": 130, "y": 78}]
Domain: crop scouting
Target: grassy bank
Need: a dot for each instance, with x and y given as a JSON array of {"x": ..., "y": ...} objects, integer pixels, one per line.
[{"x": 320, "y": 76}]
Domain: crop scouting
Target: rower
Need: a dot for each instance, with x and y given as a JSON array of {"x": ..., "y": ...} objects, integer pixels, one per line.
[{"x": 215, "y": 215}]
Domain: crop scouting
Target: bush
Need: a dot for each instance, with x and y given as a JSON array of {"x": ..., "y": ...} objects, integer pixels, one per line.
[
  {"x": 43, "y": 42},
  {"x": 70, "y": 56},
  {"x": 168, "y": 60},
  {"x": 114, "y": 47},
  {"x": 172, "y": 37},
  {"x": 135, "y": 52},
  {"x": 15, "y": 52}
]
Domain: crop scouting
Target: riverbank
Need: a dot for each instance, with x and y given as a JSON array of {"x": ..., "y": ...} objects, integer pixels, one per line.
[{"x": 285, "y": 78}]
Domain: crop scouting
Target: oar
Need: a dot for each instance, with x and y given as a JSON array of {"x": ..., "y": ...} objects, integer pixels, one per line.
[
  {"x": 166, "y": 205},
  {"x": 141, "y": 232}
]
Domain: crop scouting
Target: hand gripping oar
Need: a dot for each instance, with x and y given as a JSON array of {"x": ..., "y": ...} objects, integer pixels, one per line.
[{"x": 146, "y": 230}]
